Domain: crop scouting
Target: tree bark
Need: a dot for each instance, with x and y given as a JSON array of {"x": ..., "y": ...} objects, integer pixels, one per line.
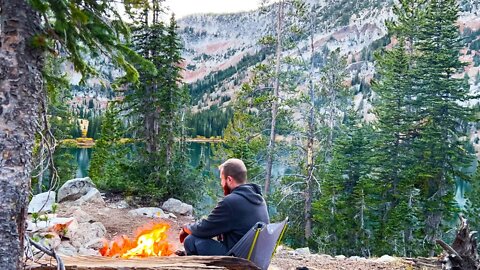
[
  {"x": 271, "y": 143},
  {"x": 157, "y": 263},
  {"x": 20, "y": 90},
  {"x": 310, "y": 141}
]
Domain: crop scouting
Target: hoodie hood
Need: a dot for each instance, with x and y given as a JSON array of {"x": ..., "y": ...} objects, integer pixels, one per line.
[{"x": 251, "y": 192}]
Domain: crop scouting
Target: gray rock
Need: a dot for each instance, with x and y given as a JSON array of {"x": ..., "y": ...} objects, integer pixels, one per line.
[
  {"x": 86, "y": 232},
  {"x": 153, "y": 212},
  {"x": 95, "y": 244},
  {"x": 82, "y": 216},
  {"x": 93, "y": 196},
  {"x": 65, "y": 248},
  {"x": 176, "y": 206},
  {"x": 42, "y": 202},
  {"x": 122, "y": 204},
  {"x": 74, "y": 189},
  {"x": 302, "y": 251}
]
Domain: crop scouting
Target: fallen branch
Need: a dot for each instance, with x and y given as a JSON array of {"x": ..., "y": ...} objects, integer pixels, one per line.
[{"x": 49, "y": 252}]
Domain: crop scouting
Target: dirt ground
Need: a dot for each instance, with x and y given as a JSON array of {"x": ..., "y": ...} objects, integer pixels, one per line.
[{"x": 118, "y": 222}]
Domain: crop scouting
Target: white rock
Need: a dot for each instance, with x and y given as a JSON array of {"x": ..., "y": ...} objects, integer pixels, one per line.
[
  {"x": 303, "y": 251},
  {"x": 357, "y": 258},
  {"x": 43, "y": 225},
  {"x": 386, "y": 259},
  {"x": 172, "y": 215},
  {"x": 177, "y": 206},
  {"x": 153, "y": 212},
  {"x": 42, "y": 202},
  {"x": 340, "y": 257},
  {"x": 74, "y": 189}
]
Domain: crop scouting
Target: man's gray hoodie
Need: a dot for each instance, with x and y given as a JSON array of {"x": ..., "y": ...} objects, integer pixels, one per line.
[{"x": 233, "y": 216}]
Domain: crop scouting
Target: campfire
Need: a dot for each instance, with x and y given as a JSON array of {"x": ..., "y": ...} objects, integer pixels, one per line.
[{"x": 150, "y": 241}]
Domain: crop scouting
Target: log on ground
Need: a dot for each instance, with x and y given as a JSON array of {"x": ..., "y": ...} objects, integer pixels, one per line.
[{"x": 151, "y": 263}]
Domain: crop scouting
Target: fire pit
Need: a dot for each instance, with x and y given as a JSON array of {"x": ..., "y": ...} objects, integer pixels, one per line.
[
  {"x": 150, "y": 241},
  {"x": 149, "y": 250}
]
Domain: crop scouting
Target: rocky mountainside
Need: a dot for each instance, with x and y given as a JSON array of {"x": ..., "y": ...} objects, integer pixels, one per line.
[{"x": 220, "y": 50}]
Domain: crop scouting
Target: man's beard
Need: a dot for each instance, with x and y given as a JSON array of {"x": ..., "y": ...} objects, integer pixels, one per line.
[{"x": 226, "y": 190}]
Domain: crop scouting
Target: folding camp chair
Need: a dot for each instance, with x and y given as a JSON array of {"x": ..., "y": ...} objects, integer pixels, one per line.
[{"x": 259, "y": 244}]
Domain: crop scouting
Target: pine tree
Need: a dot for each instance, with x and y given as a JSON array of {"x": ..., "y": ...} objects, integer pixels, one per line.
[
  {"x": 275, "y": 96},
  {"x": 345, "y": 214},
  {"x": 156, "y": 106},
  {"x": 473, "y": 201},
  {"x": 108, "y": 154},
  {"x": 394, "y": 150},
  {"x": 442, "y": 155}
]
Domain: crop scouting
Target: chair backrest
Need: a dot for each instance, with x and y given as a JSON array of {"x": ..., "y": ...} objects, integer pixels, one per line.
[{"x": 259, "y": 243}]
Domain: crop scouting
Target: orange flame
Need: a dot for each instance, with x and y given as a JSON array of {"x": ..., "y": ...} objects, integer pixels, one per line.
[{"x": 150, "y": 240}]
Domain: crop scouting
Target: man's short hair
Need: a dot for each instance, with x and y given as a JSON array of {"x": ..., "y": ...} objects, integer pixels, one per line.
[{"x": 236, "y": 169}]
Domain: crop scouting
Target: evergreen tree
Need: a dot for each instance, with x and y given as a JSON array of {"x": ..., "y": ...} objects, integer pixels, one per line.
[
  {"x": 345, "y": 214},
  {"x": 109, "y": 153},
  {"x": 156, "y": 106},
  {"x": 418, "y": 153},
  {"x": 444, "y": 118},
  {"x": 473, "y": 201},
  {"x": 394, "y": 151}
]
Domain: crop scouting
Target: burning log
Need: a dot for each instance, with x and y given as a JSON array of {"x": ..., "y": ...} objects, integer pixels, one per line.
[
  {"x": 150, "y": 240},
  {"x": 463, "y": 252},
  {"x": 151, "y": 263}
]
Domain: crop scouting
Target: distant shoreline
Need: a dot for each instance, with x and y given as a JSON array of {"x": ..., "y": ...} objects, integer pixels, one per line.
[{"x": 90, "y": 142}]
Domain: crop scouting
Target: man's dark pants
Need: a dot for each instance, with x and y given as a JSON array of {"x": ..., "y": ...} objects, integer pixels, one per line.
[{"x": 203, "y": 246}]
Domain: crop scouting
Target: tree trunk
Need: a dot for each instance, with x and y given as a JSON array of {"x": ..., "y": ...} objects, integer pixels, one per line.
[
  {"x": 310, "y": 140},
  {"x": 271, "y": 143},
  {"x": 157, "y": 263},
  {"x": 20, "y": 91},
  {"x": 463, "y": 252}
]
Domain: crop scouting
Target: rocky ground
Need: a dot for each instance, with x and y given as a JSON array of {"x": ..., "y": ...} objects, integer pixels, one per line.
[{"x": 83, "y": 221}]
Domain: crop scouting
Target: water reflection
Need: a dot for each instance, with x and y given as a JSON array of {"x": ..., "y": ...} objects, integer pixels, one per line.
[
  {"x": 202, "y": 154},
  {"x": 82, "y": 159}
]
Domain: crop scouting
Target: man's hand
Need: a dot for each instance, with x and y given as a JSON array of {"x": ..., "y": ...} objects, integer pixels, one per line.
[{"x": 183, "y": 235}]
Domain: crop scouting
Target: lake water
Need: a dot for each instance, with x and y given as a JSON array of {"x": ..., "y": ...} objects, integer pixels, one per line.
[
  {"x": 204, "y": 152},
  {"x": 197, "y": 151}
]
